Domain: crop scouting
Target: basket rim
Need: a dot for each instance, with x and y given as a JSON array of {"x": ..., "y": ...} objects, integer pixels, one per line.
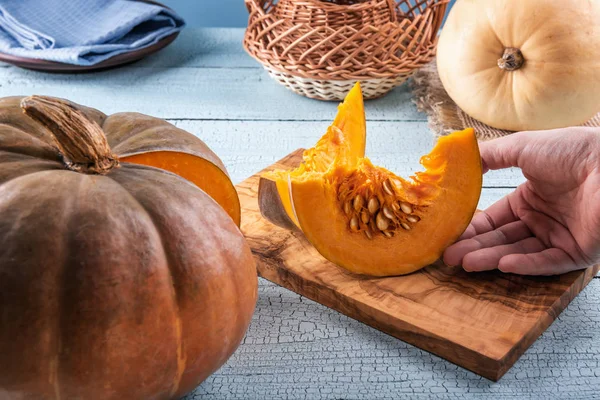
[
  {"x": 325, "y": 6},
  {"x": 332, "y": 7}
]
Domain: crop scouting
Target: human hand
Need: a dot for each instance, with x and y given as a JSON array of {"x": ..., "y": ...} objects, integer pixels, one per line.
[{"x": 551, "y": 223}]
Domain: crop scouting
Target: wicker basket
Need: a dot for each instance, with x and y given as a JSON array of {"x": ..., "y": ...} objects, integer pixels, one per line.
[{"x": 320, "y": 48}]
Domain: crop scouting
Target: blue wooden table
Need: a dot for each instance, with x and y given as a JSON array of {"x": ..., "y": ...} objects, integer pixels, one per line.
[{"x": 295, "y": 348}]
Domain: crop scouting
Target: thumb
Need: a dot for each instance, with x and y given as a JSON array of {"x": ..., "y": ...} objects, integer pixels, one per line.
[{"x": 504, "y": 152}]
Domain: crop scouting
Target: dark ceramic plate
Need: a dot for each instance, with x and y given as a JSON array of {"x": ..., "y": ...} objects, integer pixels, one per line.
[{"x": 118, "y": 60}]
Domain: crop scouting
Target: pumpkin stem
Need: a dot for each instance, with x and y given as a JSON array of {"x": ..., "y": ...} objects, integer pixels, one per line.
[
  {"x": 511, "y": 60},
  {"x": 80, "y": 141}
]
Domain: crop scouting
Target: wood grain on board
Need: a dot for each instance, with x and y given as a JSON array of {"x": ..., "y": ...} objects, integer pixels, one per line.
[{"x": 483, "y": 322}]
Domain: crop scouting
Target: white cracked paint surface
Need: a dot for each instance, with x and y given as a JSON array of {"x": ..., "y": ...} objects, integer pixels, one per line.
[{"x": 298, "y": 349}]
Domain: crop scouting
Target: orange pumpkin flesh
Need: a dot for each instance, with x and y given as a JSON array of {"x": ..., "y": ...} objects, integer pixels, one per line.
[
  {"x": 443, "y": 199},
  {"x": 344, "y": 142},
  {"x": 365, "y": 218},
  {"x": 199, "y": 171},
  {"x": 345, "y": 139}
]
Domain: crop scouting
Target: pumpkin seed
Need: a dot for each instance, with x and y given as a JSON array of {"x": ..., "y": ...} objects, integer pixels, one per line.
[
  {"x": 354, "y": 223},
  {"x": 373, "y": 205},
  {"x": 359, "y": 202},
  {"x": 364, "y": 217},
  {"x": 368, "y": 234},
  {"x": 413, "y": 218},
  {"x": 388, "y": 234},
  {"x": 347, "y": 208},
  {"x": 395, "y": 206},
  {"x": 382, "y": 222},
  {"x": 406, "y": 208},
  {"x": 396, "y": 183},
  {"x": 405, "y": 226},
  {"x": 387, "y": 187},
  {"x": 388, "y": 213}
]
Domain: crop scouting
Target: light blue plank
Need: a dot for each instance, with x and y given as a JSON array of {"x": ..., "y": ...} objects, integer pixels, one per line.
[
  {"x": 206, "y": 93},
  {"x": 199, "y": 48},
  {"x": 249, "y": 146}
]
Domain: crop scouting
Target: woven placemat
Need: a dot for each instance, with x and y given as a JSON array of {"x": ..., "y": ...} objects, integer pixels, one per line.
[{"x": 444, "y": 115}]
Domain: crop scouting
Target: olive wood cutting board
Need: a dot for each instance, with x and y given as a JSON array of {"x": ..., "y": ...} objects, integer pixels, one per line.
[{"x": 481, "y": 321}]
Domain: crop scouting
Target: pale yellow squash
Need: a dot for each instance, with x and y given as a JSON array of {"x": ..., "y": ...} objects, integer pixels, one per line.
[{"x": 523, "y": 64}]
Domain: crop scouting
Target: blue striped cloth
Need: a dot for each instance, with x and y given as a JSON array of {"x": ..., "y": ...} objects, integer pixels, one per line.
[{"x": 82, "y": 32}]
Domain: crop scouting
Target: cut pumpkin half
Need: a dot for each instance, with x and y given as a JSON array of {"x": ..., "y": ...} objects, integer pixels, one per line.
[
  {"x": 144, "y": 140},
  {"x": 205, "y": 174},
  {"x": 370, "y": 221}
]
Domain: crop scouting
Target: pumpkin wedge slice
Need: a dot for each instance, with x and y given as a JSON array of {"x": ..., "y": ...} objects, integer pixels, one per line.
[
  {"x": 344, "y": 142},
  {"x": 368, "y": 220},
  {"x": 365, "y": 218}
]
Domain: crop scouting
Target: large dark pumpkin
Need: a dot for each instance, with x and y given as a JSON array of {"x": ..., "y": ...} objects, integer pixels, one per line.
[{"x": 117, "y": 280}]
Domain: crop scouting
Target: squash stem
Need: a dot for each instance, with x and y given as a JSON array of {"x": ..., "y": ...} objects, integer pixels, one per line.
[
  {"x": 511, "y": 60},
  {"x": 80, "y": 141}
]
